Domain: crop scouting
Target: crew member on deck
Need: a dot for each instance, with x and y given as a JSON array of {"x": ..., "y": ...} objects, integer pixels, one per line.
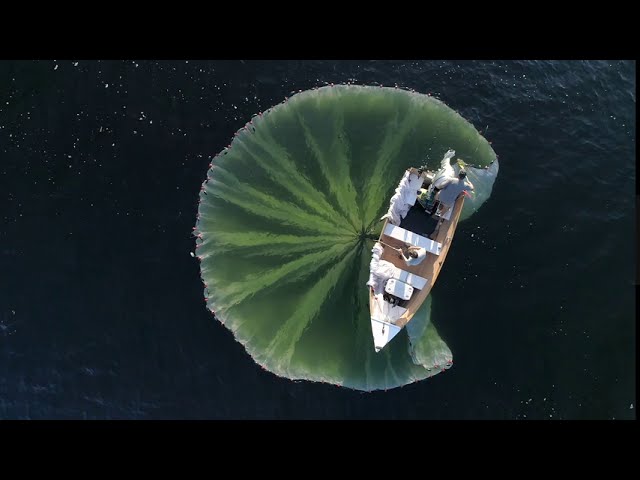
[
  {"x": 413, "y": 255},
  {"x": 451, "y": 189},
  {"x": 448, "y": 195}
]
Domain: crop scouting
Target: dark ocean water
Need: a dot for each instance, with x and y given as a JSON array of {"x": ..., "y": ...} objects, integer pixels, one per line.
[{"x": 101, "y": 308}]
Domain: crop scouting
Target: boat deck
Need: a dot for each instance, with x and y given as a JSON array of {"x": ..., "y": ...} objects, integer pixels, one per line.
[{"x": 418, "y": 221}]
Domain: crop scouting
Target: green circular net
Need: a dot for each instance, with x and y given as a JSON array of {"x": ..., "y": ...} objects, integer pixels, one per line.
[{"x": 289, "y": 213}]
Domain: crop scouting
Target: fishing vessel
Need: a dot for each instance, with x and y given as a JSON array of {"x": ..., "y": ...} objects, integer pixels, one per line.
[{"x": 415, "y": 219}]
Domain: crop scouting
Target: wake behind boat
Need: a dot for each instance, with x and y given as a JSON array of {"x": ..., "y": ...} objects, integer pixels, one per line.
[{"x": 417, "y": 221}]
